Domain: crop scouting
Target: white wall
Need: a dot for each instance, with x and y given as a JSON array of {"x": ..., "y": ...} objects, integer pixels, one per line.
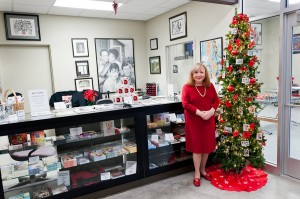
[
  {"x": 57, "y": 31},
  {"x": 204, "y": 21}
]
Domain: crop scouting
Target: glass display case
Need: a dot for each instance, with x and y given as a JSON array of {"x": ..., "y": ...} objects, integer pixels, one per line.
[{"x": 166, "y": 141}]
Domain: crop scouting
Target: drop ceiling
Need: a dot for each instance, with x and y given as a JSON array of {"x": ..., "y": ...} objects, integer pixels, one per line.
[{"x": 132, "y": 9}]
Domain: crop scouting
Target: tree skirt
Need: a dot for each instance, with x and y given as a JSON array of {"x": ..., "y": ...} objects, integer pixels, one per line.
[{"x": 250, "y": 179}]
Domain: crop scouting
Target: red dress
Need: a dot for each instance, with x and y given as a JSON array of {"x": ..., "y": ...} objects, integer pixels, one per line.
[{"x": 200, "y": 134}]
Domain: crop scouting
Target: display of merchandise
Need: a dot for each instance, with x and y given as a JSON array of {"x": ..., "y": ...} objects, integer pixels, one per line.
[
  {"x": 37, "y": 137},
  {"x": 21, "y": 196},
  {"x": 19, "y": 138},
  {"x": 152, "y": 89},
  {"x": 84, "y": 178},
  {"x": 42, "y": 193}
]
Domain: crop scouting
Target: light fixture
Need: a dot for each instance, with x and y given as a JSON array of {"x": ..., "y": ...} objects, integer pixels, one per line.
[
  {"x": 290, "y": 1},
  {"x": 86, "y": 4}
]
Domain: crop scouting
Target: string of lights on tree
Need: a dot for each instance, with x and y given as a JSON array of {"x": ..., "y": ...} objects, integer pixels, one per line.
[{"x": 239, "y": 129}]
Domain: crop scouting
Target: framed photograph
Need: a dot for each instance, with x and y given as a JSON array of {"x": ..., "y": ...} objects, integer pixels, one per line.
[
  {"x": 80, "y": 47},
  {"x": 256, "y": 33},
  {"x": 84, "y": 84},
  {"x": 155, "y": 65},
  {"x": 154, "y": 44},
  {"x": 82, "y": 68},
  {"x": 178, "y": 26},
  {"x": 115, "y": 61},
  {"x": 22, "y": 27},
  {"x": 296, "y": 43},
  {"x": 211, "y": 53},
  {"x": 175, "y": 68}
]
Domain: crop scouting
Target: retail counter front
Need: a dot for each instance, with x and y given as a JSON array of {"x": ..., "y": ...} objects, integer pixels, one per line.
[{"x": 78, "y": 151}]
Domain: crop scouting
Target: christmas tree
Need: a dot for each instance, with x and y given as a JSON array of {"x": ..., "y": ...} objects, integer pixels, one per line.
[{"x": 240, "y": 136}]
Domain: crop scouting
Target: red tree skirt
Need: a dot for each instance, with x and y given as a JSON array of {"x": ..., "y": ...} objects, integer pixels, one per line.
[{"x": 250, "y": 179}]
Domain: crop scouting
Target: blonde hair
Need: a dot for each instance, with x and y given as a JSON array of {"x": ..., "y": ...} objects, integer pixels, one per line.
[{"x": 196, "y": 67}]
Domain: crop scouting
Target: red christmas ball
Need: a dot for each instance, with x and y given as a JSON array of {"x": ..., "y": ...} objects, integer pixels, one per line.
[
  {"x": 247, "y": 34},
  {"x": 251, "y": 63},
  {"x": 230, "y": 68},
  {"x": 234, "y": 21},
  {"x": 241, "y": 16},
  {"x": 252, "y": 80},
  {"x": 230, "y": 88},
  {"x": 238, "y": 42},
  {"x": 235, "y": 133},
  {"x": 229, "y": 47},
  {"x": 234, "y": 52}
]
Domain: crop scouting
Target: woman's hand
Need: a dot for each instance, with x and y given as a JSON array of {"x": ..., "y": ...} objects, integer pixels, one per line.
[
  {"x": 207, "y": 114},
  {"x": 199, "y": 113}
]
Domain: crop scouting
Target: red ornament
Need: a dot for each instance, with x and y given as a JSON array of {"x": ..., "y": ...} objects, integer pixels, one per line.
[
  {"x": 251, "y": 44},
  {"x": 252, "y": 126},
  {"x": 238, "y": 42},
  {"x": 230, "y": 68},
  {"x": 241, "y": 16},
  {"x": 246, "y": 135},
  {"x": 229, "y": 47},
  {"x": 247, "y": 34},
  {"x": 252, "y": 80},
  {"x": 228, "y": 104},
  {"x": 222, "y": 62},
  {"x": 251, "y": 63},
  {"x": 235, "y": 97},
  {"x": 254, "y": 58},
  {"x": 230, "y": 88},
  {"x": 115, "y": 6},
  {"x": 235, "y": 133},
  {"x": 234, "y": 21},
  {"x": 234, "y": 52}
]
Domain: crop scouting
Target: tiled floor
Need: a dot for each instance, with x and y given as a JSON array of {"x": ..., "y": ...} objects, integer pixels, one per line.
[{"x": 181, "y": 187}]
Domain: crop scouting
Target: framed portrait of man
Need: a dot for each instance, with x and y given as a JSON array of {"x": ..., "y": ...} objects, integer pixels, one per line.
[{"x": 115, "y": 60}]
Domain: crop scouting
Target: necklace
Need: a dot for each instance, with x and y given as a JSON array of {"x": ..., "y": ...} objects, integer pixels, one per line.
[{"x": 199, "y": 91}]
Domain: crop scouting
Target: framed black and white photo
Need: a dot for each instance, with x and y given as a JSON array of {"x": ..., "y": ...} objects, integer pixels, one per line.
[
  {"x": 154, "y": 44},
  {"x": 82, "y": 84},
  {"x": 178, "y": 26},
  {"x": 175, "y": 68},
  {"x": 115, "y": 61},
  {"x": 154, "y": 63},
  {"x": 22, "y": 27},
  {"x": 256, "y": 33},
  {"x": 82, "y": 68},
  {"x": 80, "y": 47}
]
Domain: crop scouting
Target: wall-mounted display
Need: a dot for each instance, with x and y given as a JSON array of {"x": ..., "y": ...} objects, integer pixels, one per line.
[
  {"x": 296, "y": 43},
  {"x": 80, "y": 47},
  {"x": 154, "y": 44},
  {"x": 84, "y": 84},
  {"x": 115, "y": 60},
  {"x": 22, "y": 27},
  {"x": 82, "y": 68},
  {"x": 256, "y": 34},
  {"x": 155, "y": 65},
  {"x": 211, "y": 54},
  {"x": 178, "y": 26}
]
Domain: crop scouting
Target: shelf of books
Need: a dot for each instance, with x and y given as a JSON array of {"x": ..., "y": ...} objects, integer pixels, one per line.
[
  {"x": 48, "y": 162},
  {"x": 166, "y": 141}
]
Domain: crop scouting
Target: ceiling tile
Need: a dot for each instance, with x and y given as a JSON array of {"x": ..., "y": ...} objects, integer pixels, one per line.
[
  {"x": 36, "y": 2},
  {"x": 65, "y": 11},
  {"x": 30, "y": 8},
  {"x": 95, "y": 13}
]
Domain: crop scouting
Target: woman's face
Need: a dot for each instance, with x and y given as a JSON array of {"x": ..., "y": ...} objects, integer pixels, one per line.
[
  {"x": 111, "y": 57},
  {"x": 199, "y": 75}
]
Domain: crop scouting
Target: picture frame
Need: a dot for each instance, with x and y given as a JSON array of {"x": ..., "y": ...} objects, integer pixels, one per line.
[
  {"x": 296, "y": 43},
  {"x": 22, "y": 27},
  {"x": 256, "y": 34},
  {"x": 82, "y": 84},
  {"x": 155, "y": 67},
  {"x": 154, "y": 44},
  {"x": 80, "y": 47},
  {"x": 175, "y": 68},
  {"x": 178, "y": 26},
  {"x": 211, "y": 54},
  {"x": 112, "y": 52},
  {"x": 82, "y": 68}
]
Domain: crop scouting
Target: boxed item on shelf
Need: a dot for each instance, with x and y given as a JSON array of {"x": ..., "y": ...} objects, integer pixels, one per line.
[
  {"x": 83, "y": 178},
  {"x": 116, "y": 173},
  {"x": 52, "y": 163},
  {"x": 20, "y": 169},
  {"x": 159, "y": 119},
  {"x": 68, "y": 161},
  {"x": 82, "y": 160},
  {"x": 42, "y": 193},
  {"x": 109, "y": 128},
  {"x": 130, "y": 146},
  {"x": 37, "y": 137},
  {"x": 58, "y": 189},
  {"x": 21, "y": 196},
  {"x": 97, "y": 155},
  {"x": 35, "y": 168},
  {"x": 114, "y": 151}
]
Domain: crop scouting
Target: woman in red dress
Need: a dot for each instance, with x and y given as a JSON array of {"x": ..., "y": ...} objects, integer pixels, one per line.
[{"x": 199, "y": 100}]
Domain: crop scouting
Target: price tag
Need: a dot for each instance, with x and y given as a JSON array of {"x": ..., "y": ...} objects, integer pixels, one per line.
[
  {"x": 228, "y": 129},
  {"x": 245, "y": 143},
  {"x": 245, "y": 127},
  {"x": 105, "y": 176},
  {"x": 259, "y": 136},
  {"x": 63, "y": 177},
  {"x": 76, "y": 131},
  {"x": 223, "y": 74},
  {"x": 59, "y": 105},
  {"x": 154, "y": 138},
  {"x": 227, "y": 63},
  {"x": 234, "y": 31},
  {"x": 245, "y": 80}
]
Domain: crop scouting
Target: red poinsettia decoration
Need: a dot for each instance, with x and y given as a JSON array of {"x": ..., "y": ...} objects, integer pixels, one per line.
[
  {"x": 246, "y": 135},
  {"x": 90, "y": 96}
]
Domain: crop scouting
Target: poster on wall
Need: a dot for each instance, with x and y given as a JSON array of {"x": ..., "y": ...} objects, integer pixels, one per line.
[
  {"x": 296, "y": 43},
  {"x": 115, "y": 60},
  {"x": 211, "y": 53}
]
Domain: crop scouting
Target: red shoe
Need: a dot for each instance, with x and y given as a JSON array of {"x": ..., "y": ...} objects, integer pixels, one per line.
[
  {"x": 196, "y": 182},
  {"x": 206, "y": 176}
]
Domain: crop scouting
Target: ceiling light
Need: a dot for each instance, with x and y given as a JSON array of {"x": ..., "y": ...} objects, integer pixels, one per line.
[
  {"x": 290, "y": 1},
  {"x": 86, "y": 4}
]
